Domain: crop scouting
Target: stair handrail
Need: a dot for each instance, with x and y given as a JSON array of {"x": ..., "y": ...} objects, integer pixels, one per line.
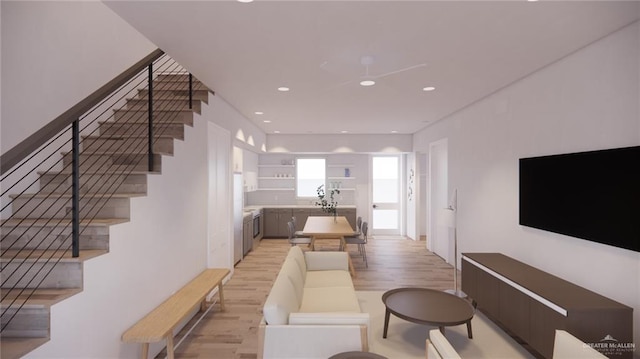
[{"x": 20, "y": 151}]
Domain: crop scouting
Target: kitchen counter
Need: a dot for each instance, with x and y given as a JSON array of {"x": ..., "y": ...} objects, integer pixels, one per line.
[{"x": 294, "y": 206}]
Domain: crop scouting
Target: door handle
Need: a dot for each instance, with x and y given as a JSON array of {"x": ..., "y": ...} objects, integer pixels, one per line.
[{"x": 375, "y": 206}]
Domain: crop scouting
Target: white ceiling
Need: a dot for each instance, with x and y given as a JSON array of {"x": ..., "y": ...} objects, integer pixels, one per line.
[{"x": 244, "y": 52}]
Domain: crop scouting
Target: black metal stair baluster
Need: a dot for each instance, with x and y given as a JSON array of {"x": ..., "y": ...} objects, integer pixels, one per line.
[
  {"x": 75, "y": 188},
  {"x": 190, "y": 90},
  {"x": 151, "y": 118}
]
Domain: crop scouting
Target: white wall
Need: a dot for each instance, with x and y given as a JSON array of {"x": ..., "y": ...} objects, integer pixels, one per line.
[
  {"x": 54, "y": 54},
  {"x": 586, "y": 101},
  {"x": 343, "y": 143}
]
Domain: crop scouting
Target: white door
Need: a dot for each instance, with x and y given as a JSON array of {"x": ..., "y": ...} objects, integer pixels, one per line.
[
  {"x": 385, "y": 195},
  {"x": 438, "y": 238}
]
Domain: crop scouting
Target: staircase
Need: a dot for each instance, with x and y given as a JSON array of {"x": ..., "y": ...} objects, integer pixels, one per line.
[{"x": 37, "y": 266}]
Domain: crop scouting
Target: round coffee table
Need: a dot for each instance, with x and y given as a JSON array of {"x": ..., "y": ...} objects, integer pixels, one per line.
[{"x": 427, "y": 306}]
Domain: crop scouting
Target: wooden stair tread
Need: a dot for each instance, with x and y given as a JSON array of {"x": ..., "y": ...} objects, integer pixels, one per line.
[
  {"x": 144, "y": 122},
  {"x": 41, "y": 255},
  {"x": 41, "y": 297},
  {"x": 18, "y": 347},
  {"x": 97, "y": 172},
  {"x": 117, "y": 137},
  {"x": 43, "y": 222},
  {"x": 117, "y": 153},
  {"x": 154, "y": 110},
  {"x": 166, "y": 99},
  {"x": 66, "y": 195}
]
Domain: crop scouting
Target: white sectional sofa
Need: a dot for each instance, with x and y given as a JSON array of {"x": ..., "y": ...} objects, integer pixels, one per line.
[
  {"x": 565, "y": 346},
  {"x": 438, "y": 347},
  {"x": 312, "y": 310}
]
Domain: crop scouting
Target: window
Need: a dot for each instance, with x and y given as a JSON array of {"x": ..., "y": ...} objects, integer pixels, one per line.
[{"x": 310, "y": 174}]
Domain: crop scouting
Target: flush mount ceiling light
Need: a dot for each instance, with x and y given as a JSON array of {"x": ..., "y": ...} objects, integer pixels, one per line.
[
  {"x": 259, "y": 113},
  {"x": 267, "y": 121},
  {"x": 428, "y": 88},
  {"x": 283, "y": 89},
  {"x": 367, "y": 83}
]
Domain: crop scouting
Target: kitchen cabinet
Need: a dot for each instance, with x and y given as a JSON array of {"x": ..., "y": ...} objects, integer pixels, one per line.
[
  {"x": 275, "y": 222},
  {"x": 247, "y": 234},
  {"x": 261, "y": 224}
]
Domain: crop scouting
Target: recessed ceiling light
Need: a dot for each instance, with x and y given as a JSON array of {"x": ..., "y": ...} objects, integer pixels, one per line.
[
  {"x": 259, "y": 113},
  {"x": 283, "y": 89},
  {"x": 394, "y": 131},
  {"x": 267, "y": 121},
  {"x": 343, "y": 131},
  {"x": 367, "y": 83},
  {"x": 428, "y": 88},
  {"x": 245, "y": 1}
]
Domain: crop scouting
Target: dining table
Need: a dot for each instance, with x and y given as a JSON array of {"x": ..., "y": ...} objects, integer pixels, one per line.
[{"x": 329, "y": 227}]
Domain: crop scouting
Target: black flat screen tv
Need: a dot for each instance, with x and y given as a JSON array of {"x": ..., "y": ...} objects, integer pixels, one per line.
[{"x": 590, "y": 195}]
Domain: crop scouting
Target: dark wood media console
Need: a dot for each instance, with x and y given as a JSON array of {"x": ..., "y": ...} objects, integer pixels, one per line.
[{"x": 532, "y": 304}]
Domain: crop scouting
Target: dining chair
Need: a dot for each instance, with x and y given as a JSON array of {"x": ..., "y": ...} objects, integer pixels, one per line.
[
  {"x": 358, "y": 226},
  {"x": 360, "y": 241},
  {"x": 358, "y": 231},
  {"x": 296, "y": 240},
  {"x": 295, "y": 225}
]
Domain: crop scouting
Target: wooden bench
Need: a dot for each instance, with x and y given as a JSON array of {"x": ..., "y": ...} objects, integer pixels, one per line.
[{"x": 160, "y": 323}]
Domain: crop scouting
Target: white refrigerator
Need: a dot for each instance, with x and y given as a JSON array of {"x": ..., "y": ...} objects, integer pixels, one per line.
[{"x": 238, "y": 206}]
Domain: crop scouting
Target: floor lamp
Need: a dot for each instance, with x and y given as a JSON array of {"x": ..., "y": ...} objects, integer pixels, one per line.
[{"x": 449, "y": 216}]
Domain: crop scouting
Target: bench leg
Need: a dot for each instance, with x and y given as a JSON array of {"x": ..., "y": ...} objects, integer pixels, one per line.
[
  {"x": 145, "y": 350},
  {"x": 170, "y": 345},
  {"x": 221, "y": 296}
]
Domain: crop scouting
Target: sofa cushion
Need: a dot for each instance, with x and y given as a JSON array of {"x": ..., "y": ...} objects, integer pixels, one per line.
[
  {"x": 329, "y": 299},
  {"x": 326, "y": 261},
  {"x": 441, "y": 346},
  {"x": 328, "y": 278},
  {"x": 566, "y": 346},
  {"x": 281, "y": 301},
  {"x": 291, "y": 269},
  {"x": 296, "y": 253}
]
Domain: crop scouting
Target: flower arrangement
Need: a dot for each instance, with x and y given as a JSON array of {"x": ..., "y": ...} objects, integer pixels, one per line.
[{"x": 328, "y": 206}]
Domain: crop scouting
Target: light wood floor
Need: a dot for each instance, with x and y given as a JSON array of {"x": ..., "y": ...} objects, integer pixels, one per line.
[{"x": 233, "y": 334}]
